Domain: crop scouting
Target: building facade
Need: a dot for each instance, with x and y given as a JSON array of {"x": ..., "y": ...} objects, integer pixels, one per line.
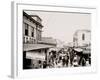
[
  {"x": 35, "y": 48},
  {"x": 82, "y": 45},
  {"x": 82, "y": 38},
  {"x": 32, "y": 28}
]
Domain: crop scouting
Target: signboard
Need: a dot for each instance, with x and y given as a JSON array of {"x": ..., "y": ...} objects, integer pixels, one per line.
[{"x": 35, "y": 55}]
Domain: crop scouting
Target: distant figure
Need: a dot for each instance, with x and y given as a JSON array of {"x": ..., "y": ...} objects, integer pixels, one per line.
[
  {"x": 59, "y": 65},
  {"x": 66, "y": 60},
  {"x": 39, "y": 64},
  {"x": 44, "y": 64},
  {"x": 87, "y": 63},
  {"x": 89, "y": 60},
  {"x": 75, "y": 61},
  {"x": 83, "y": 62}
]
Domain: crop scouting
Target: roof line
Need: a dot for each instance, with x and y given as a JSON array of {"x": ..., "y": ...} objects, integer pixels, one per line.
[{"x": 25, "y": 14}]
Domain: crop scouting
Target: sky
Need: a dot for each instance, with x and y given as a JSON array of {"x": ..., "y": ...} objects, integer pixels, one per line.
[{"x": 61, "y": 25}]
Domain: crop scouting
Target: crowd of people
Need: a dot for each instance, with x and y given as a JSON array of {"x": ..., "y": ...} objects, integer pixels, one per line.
[
  {"x": 69, "y": 58},
  {"x": 57, "y": 59}
]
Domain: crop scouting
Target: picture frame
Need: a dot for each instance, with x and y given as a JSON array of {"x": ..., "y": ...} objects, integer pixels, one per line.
[{"x": 17, "y": 70}]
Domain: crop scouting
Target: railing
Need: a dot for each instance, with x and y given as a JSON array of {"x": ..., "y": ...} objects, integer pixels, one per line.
[{"x": 28, "y": 39}]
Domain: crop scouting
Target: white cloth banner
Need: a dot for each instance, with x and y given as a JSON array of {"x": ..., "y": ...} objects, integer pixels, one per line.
[{"x": 35, "y": 55}]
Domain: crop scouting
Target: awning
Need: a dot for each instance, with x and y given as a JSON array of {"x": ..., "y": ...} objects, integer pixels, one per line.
[
  {"x": 54, "y": 49},
  {"x": 78, "y": 49},
  {"x": 27, "y": 47}
]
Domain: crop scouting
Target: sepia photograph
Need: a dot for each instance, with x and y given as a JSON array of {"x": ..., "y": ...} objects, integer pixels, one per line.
[{"x": 56, "y": 39}]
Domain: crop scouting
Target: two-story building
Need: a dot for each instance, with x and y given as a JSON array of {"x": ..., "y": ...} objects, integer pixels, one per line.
[
  {"x": 35, "y": 49},
  {"x": 82, "y": 38}
]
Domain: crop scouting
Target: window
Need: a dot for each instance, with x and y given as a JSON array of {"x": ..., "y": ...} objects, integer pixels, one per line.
[
  {"x": 32, "y": 34},
  {"x": 83, "y": 36},
  {"x": 39, "y": 35},
  {"x": 26, "y": 39},
  {"x": 26, "y": 29}
]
